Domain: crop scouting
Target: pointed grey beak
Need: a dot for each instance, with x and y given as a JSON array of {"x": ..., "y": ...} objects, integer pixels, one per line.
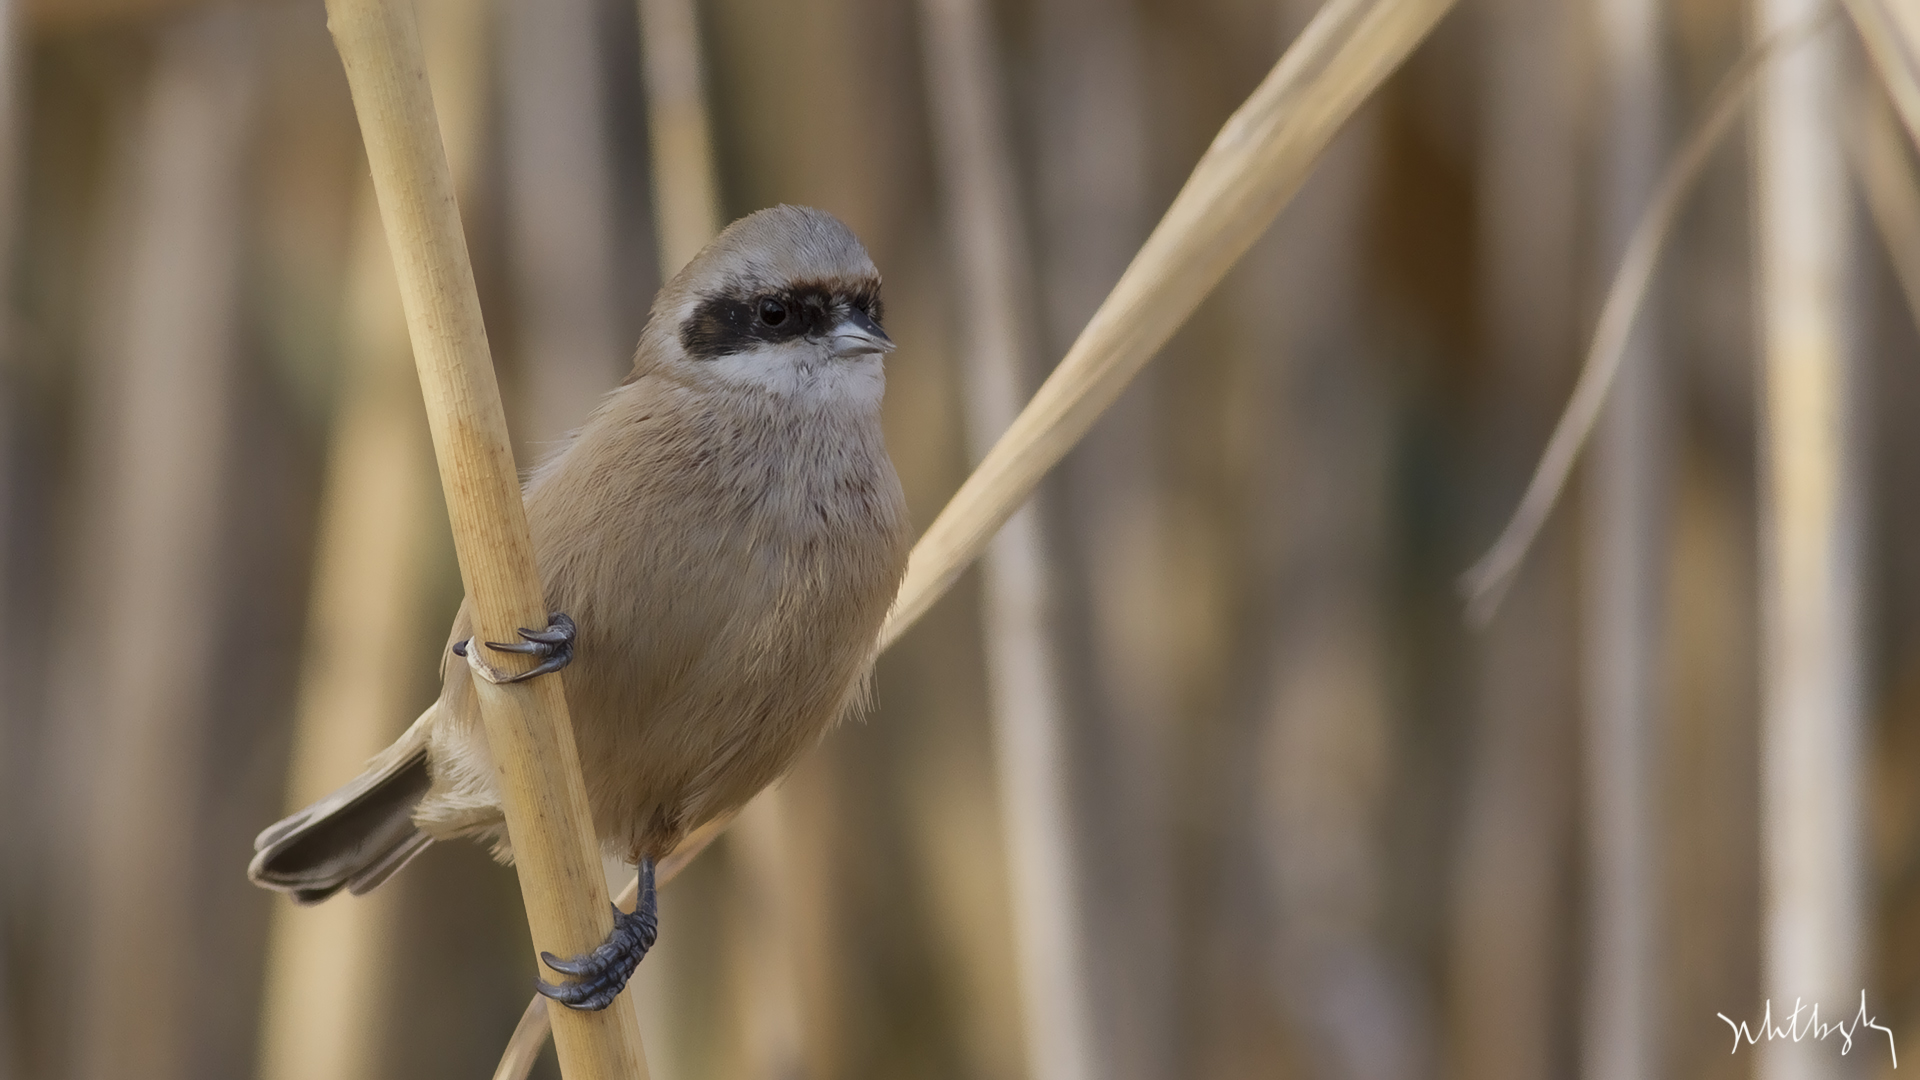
[{"x": 858, "y": 335}]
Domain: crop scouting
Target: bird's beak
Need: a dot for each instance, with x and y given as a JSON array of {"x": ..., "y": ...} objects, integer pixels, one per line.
[{"x": 858, "y": 335}]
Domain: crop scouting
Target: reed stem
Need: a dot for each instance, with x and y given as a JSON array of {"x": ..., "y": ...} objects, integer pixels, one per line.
[
  {"x": 527, "y": 725},
  {"x": 1256, "y": 163},
  {"x": 1813, "y": 709}
]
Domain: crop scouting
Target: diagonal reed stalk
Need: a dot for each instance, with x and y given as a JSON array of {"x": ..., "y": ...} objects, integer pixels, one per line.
[
  {"x": 527, "y": 724},
  {"x": 1892, "y": 36},
  {"x": 1255, "y": 165},
  {"x": 1891, "y": 30},
  {"x": 1882, "y": 160},
  {"x": 1485, "y": 584}
]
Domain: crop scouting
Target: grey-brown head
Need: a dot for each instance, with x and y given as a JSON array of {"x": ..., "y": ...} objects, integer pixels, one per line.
[{"x": 784, "y": 300}]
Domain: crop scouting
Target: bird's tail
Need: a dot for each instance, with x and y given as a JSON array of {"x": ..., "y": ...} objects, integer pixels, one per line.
[{"x": 356, "y": 837}]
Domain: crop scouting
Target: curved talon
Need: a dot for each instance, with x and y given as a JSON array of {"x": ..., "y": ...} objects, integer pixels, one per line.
[
  {"x": 555, "y": 644},
  {"x": 583, "y": 996},
  {"x": 592, "y": 963},
  {"x": 590, "y": 1003}
]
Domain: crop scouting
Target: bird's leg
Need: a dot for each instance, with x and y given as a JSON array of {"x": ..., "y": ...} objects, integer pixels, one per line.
[
  {"x": 604, "y": 972},
  {"x": 554, "y": 646}
]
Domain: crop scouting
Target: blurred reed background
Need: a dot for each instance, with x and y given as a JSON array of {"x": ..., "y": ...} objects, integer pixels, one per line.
[{"x": 1206, "y": 775}]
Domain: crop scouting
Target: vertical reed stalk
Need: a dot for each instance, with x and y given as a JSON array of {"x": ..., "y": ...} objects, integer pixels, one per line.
[
  {"x": 560, "y": 216},
  {"x": 327, "y": 986},
  {"x": 1118, "y": 540},
  {"x": 686, "y": 215},
  {"x": 1812, "y": 772},
  {"x": 1624, "y": 558},
  {"x": 149, "y": 643},
  {"x": 1316, "y": 401},
  {"x": 765, "y": 941},
  {"x": 686, "y": 197},
  {"x": 527, "y": 724},
  {"x": 996, "y": 279},
  {"x": 328, "y": 994},
  {"x": 1510, "y": 917}
]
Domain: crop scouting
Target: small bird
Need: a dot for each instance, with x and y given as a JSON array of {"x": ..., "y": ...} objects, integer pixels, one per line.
[{"x": 719, "y": 543}]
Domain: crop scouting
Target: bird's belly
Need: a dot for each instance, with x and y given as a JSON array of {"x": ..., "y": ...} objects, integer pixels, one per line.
[
  {"x": 665, "y": 748},
  {"x": 706, "y": 748}
]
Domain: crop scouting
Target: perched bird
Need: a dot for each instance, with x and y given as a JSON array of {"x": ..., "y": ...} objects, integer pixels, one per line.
[{"x": 719, "y": 543}]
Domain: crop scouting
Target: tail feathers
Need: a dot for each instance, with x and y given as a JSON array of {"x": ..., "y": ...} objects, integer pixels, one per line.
[{"x": 353, "y": 839}]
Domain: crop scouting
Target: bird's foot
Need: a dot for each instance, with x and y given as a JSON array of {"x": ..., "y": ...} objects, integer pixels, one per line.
[
  {"x": 604, "y": 972},
  {"x": 554, "y": 647}
]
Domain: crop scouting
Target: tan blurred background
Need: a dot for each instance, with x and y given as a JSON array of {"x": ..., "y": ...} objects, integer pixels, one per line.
[{"x": 1319, "y": 827}]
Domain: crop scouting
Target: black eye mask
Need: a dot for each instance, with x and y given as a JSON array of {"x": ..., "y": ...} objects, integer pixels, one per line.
[{"x": 728, "y": 324}]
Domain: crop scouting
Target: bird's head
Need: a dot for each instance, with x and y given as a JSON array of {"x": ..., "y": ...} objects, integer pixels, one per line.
[{"x": 784, "y": 301}]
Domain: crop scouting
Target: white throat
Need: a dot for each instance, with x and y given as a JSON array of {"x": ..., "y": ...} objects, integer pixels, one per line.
[{"x": 803, "y": 372}]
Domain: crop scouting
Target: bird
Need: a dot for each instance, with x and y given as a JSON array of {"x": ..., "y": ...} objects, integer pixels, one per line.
[{"x": 718, "y": 543}]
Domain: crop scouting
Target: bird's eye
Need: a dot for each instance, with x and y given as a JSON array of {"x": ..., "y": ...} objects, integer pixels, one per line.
[{"x": 772, "y": 312}]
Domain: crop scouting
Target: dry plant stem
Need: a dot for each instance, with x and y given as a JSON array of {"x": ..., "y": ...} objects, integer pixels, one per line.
[
  {"x": 328, "y": 990},
  {"x": 1813, "y": 758},
  {"x": 1887, "y": 176},
  {"x": 1623, "y": 556},
  {"x": 1485, "y": 584},
  {"x": 1891, "y": 30},
  {"x": 158, "y": 410},
  {"x": 328, "y": 985},
  {"x": 686, "y": 202},
  {"x": 527, "y": 724},
  {"x": 1254, "y": 166},
  {"x": 559, "y": 202},
  {"x": 995, "y": 278}
]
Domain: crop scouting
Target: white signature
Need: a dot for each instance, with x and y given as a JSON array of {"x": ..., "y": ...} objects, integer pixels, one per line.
[{"x": 1814, "y": 1028}]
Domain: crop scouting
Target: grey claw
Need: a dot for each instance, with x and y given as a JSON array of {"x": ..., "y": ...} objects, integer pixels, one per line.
[
  {"x": 552, "y": 663},
  {"x": 593, "y": 963},
  {"x": 555, "y": 643},
  {"x": 560, "y": 636}
]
